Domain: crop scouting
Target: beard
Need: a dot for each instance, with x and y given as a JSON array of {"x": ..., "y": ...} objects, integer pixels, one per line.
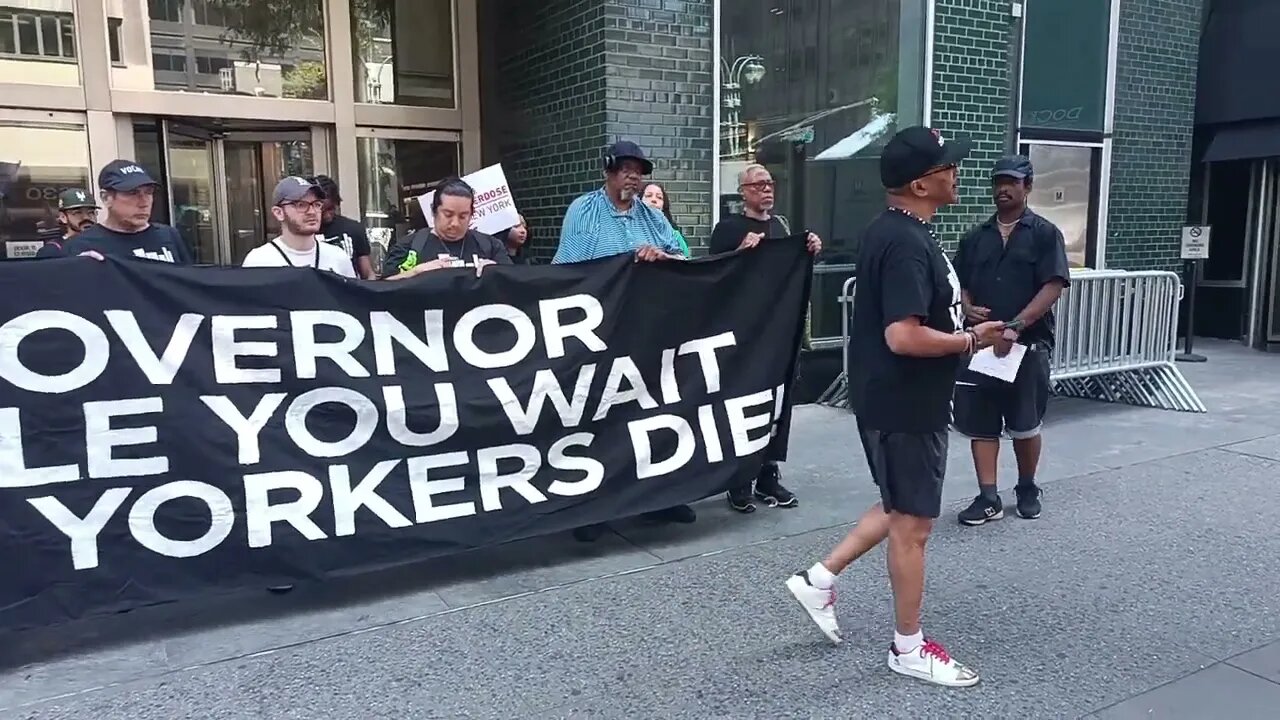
[{"x": 300, "y": 227}]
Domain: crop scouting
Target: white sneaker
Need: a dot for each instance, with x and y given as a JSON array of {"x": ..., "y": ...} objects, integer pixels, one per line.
[
  {"x": 930, "y": 662},
  {"x": 820, "y": 604}
]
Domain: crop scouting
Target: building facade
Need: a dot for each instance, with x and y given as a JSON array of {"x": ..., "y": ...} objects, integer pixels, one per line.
[
  {"x": 220, "y": 97},
  {"x": 1236, "y": 173}
]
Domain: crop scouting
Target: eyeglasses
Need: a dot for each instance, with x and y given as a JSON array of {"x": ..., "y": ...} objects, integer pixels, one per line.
[
  {"x": 306, "y": 205},
  {"x": 941, "y": 169},
  {"x": 761, "y": 185}
]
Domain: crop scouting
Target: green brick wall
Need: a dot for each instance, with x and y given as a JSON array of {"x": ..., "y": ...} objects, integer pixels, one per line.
[
  {"x": 549, "y": 109},
  {"x": 1154, "y": 115},
  {"x": 971, "y": 98},
  {"x": 659, "y": 65}
]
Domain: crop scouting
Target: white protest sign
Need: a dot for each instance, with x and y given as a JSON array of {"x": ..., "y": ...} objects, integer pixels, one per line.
[
  {"x": 1195, "y": 242},
  {"x": 495, "y": 209}
]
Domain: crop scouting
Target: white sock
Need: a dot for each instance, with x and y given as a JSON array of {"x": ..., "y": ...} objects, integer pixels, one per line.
[
  {"x": 908, "y": 643},
  {"x": 821, "y": 577}
]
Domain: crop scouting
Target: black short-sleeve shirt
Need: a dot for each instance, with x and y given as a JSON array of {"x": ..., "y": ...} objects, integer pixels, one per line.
[
  {"x": 472, "y": 245},
  {"x": 350, "y": 235},
  {"x": 729, "y": 232},
  {"x": 902, "y": 273},
  {"x": 1005, "y": 277},
  {"x": 155, "y": 242}
]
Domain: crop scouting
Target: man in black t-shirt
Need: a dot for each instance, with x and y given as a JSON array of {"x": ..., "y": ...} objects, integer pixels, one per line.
[
  {"x": 342, "y": 231},
  {"x": 451, "y": 243},
  {"x": 128, "y": 192},
  {"x": 1012, "y": 267},
  {"x": 757, "y": 222},
  {"x": 905, "y": 343}
]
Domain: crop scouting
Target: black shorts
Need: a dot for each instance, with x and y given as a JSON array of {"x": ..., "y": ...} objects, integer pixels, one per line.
[
  {"x": 986, "y": 407},
  {"x": 908, "y": 468}
]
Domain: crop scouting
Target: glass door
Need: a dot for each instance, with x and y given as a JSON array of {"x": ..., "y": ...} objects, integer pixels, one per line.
[
  {"x": 220, "y": 184},
  {"x": 193, "y": 201},
  {"x": 255, "y": 162}
]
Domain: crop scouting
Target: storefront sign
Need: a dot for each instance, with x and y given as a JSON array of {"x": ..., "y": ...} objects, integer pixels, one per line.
[
  {"x": 495, "y": 208},
  {"x": 172, "y": 434}
]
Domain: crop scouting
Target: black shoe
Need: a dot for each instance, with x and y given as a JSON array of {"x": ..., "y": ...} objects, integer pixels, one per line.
[
  {"x": 589, "y": 533},
  {"x": 682, "y": 514},
  {"x": 982, "y": 511},
  {"x": 769, "y": 489},
  {"x": 740, "y": 499},
  {"x": 1028, "y": 500}
]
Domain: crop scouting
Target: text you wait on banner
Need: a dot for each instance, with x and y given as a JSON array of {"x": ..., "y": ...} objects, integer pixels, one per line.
[{"x": 169, "y": 432}]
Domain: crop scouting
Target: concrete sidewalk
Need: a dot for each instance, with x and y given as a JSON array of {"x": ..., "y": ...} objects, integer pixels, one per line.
[{"x": 1150, "y": 588}]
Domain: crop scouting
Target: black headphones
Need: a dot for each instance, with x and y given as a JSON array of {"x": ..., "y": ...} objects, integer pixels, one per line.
[{"x": 610, "y": 162}]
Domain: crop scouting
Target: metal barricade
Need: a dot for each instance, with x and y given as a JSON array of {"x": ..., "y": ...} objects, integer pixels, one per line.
[
  {"x": 1116, "y": 340},
  {"x": 1117, "y": 337},
  {"x": 837, "y": 394}
]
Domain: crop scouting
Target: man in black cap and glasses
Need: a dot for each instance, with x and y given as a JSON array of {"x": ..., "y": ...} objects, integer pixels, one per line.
[
  {"x": 1012, "y": 268},
  {"x": 128, "y": 192},
  {"x": 76, "y": 212},
  {"x": 906, "y": 341}
]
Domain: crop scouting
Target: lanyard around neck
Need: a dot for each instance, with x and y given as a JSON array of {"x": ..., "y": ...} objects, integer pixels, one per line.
[{"x": 315, "y": 263}]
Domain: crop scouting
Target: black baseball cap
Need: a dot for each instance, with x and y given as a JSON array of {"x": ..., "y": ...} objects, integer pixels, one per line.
[
  {"x": 1014, "y": 166},
  {"x": 624, "y": 149},
  {"x": 293, "y": 189},
  {"x": 75, "y": 199},
  {"x": 914, "y": 151},
  {"x": 124, "y": 175}
]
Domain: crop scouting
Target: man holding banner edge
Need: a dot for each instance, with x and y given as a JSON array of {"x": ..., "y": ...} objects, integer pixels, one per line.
[{"x": 614, "y": 220}]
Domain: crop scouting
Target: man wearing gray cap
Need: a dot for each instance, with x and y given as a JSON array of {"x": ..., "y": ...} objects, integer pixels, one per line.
[{"x": 297, "y": 204}]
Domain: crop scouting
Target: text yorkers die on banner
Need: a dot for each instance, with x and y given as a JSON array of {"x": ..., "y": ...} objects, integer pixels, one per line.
[{"x": 200, "y": 443}]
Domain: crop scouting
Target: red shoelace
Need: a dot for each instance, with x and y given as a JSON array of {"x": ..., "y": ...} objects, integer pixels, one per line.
[
  {"x": 932, "y": 648},
  {"x": 831, "y": 598}
]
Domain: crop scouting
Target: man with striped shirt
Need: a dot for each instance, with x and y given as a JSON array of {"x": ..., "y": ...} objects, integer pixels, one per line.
[{"x": 615, "y": 221}]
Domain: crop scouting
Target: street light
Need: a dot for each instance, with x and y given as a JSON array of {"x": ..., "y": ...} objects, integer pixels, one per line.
[{"x": 751, "y": 70}]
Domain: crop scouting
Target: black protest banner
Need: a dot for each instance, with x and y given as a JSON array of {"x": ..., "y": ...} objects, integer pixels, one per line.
[{"x": 167, "y": 432}]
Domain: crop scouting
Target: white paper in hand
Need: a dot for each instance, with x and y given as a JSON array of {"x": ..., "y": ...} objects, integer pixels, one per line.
[{"x": 1004, "y": 368}]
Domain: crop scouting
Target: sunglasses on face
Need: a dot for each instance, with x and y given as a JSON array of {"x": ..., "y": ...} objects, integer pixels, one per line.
[{"x": 762, "y": 185}]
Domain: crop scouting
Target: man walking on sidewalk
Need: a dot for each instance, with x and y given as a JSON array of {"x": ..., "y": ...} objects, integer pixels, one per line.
[
  {"x": 905, "y": 344},
  {"x": 1012, "y": 268}
]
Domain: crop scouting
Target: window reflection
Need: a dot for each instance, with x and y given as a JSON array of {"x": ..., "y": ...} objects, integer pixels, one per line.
[
  {"x": 38, "y": 43},
  {"x": 813, "y": 89},
  {"x": 37, "y": 162},
  {"x": 393, "y": 173},
  {"x": 403, "y": 52},
  {"x": 237, "y": 47}
]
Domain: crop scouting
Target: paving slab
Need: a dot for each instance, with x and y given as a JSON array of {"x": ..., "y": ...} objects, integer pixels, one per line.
[
  {"x": 1263, "y": 661},
  {"x": 1220, "y": 691}
]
